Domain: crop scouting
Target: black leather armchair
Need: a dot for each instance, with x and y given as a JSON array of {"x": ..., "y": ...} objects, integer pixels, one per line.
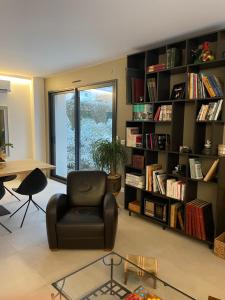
[{"x": 86, "y": 217}]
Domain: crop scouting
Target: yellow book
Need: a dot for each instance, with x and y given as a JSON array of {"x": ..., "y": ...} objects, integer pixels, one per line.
[{"x": 208, "y": 86}]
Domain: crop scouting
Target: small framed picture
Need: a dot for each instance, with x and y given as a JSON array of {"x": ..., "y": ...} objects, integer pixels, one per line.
[{"x": 178, "y": 91}]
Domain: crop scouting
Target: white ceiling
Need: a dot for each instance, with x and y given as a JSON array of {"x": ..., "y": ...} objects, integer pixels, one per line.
[{"x": 42, "y": 37}]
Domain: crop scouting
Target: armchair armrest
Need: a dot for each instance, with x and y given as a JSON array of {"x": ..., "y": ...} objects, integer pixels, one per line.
[
  {"x": 56, "y": 208},
  {"x": 110, "y": 215}
]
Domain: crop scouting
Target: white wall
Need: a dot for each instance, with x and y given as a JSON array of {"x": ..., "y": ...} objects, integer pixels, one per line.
[
  {"x": 38, "y": 119},
  {"x": 18, "y": 102}
]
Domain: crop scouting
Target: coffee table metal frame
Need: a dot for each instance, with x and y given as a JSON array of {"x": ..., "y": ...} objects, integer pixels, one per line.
[{"x": 111, "y": 287}]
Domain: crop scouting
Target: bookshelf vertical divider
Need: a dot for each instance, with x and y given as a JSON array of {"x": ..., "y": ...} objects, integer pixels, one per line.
[{"x": 183, "y": 128}]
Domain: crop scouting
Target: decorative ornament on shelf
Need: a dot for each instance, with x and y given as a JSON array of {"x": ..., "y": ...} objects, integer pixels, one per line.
[
  {"x": 202, "y": 53},
  {"x": 207, "y": 150}
]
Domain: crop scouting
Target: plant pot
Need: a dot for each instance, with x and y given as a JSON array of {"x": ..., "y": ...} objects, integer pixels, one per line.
[{"x": 114, "y": 184}]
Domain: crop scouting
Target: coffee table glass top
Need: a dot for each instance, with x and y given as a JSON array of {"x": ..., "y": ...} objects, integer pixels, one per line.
[{"x": 104, "y": 279}]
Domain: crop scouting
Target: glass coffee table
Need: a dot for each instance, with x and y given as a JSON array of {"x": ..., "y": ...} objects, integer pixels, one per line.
[{"x": 104, "y": 279}]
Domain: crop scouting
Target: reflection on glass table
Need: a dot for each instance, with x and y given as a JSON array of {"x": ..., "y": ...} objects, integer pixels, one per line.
[{"x": 105, "y": 279}]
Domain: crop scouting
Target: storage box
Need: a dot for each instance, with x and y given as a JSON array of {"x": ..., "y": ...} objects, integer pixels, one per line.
[
  {"x": 138, "y": 161},
  {"x": 134, "y": 206},
  {"x": 219, "y": 245}
]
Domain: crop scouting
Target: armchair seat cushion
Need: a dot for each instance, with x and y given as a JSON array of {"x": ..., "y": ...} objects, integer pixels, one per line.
[{"x": 85, "y": 222}]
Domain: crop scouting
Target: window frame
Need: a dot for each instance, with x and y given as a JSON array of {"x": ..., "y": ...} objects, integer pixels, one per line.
[{"x": 76, "y": 91}]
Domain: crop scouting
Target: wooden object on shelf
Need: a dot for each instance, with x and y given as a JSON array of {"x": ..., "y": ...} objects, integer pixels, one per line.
[
  {"x": 212, "y": 171},
  {"x": 185, "y": 124},
  {"x": 138, "y": 161},
  {"x": 148, "y": 264},
  {"x": 134, "y": 206},
  {"x": 219, "y": 245}
]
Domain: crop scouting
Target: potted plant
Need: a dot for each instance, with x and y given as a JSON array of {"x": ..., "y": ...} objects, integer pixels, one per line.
[
  {"x": 109, "y": 156},
  {"x": 3, "y": 152}
]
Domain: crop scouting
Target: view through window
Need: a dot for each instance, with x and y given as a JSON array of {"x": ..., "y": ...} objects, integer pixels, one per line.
[{"x": 78, "y": 119}]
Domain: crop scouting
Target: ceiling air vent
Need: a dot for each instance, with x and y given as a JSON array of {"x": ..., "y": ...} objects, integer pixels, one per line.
[{"x": 4, "y": 86}]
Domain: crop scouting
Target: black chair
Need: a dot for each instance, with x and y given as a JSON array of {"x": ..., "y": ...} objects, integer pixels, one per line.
[
  {"x": 34, "y": 183},
  {"x": 9, "y": 178},
  {"x": 2, "y": 193},
  {"x": 84, "y": 218}
]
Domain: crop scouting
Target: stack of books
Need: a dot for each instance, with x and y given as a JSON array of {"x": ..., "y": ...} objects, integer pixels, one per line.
[
  {"x": 156, "y": 141},
  {"x": 152, "y": 91},
  {"x": 176, "y": 217},
  {"x": 133, "y": 137},
  {"x": 155, "y": 68},
  {"x": 137, "y": 88},
  {"x": 210, "y": 112},
  {"x": 155, "y": 209},
  {"x": 135, "y": 180},
  {"x": 203, "y": 86},
  {"x": 195, "y": 168},
  {"x": 163, "y": 113},
  {"x": 175, "y": 189},
  {"x": 173, "y": 57},
  {"x": 143, "y": 112},
  {"x": 199, "y": 220}
]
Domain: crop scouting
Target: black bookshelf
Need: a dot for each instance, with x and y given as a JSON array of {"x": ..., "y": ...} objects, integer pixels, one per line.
[{"x": 182, "y": 130}]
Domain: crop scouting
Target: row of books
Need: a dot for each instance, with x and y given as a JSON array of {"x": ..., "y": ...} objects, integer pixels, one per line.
[
  {"x": 173, "y": 57},
  {"x": 135, "y": 180},
  {"x": 175, "y": 189},
  {"x": 143, "y": 112},
  {"x": 210, "y": 112},
  {"x": 157, "y": 141},
  {"x": 176, "y": 216},
  {"x": 196, "y": 170},
  {"x": 152, "y": 90},
  {"x": 199, "y": 220},
  {"x": 203, "y": 86},
  {"x": 155, "y": 209},
  {"x": 157, "y": 181},
  {"x": 163, "y": 113}
]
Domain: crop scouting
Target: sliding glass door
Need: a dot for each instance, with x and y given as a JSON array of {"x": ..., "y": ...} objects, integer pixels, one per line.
[
  {"x": 78, "y": 118},
  {"x": 62, "y": 142},
  {"x": 96, "y": 122}
]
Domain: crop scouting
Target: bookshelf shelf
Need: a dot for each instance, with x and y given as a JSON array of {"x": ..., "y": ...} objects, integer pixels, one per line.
[{"x": 183, "y": 129}]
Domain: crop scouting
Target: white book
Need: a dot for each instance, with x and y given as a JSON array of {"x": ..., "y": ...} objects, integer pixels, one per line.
[
  {"x": 155, "y": 183},
  {"x": 198, "y": 170},
  {"x": 162, "y": 183},
  {"x": 169, "y": 183},
  {"x": 192, "y": 167},
  {"x": 183, "y": 190},
  {"x": 218, "y": 109}
]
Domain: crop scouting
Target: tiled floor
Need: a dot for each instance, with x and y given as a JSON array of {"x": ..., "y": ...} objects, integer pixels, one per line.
[{"x": 28, "y": 267}]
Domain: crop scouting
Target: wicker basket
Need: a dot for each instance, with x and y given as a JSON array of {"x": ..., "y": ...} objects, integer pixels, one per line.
[
  {"x": 134, "y": 206},
  {"x": 219, "y": 245}
]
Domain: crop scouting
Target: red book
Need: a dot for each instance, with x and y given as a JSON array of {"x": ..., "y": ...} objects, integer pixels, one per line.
[
  {"x": 156, "y": 118},
  {"x": 137, "y": 90}
]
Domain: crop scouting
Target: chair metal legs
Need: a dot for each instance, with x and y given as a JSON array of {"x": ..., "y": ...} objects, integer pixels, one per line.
[
  {"x": 28, "y": 203},
  {"x": 8, "y": 190},
  {"x": 5, "y": 228}
]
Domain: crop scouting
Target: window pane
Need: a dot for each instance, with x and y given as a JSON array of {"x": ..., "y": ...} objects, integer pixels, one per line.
[
  {"x": 64, "y": 133},
  {"x": 96, "y": 107}
]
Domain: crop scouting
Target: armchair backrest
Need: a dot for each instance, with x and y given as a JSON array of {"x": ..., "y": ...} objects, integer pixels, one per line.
[{"x": 86, "y": 188}]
